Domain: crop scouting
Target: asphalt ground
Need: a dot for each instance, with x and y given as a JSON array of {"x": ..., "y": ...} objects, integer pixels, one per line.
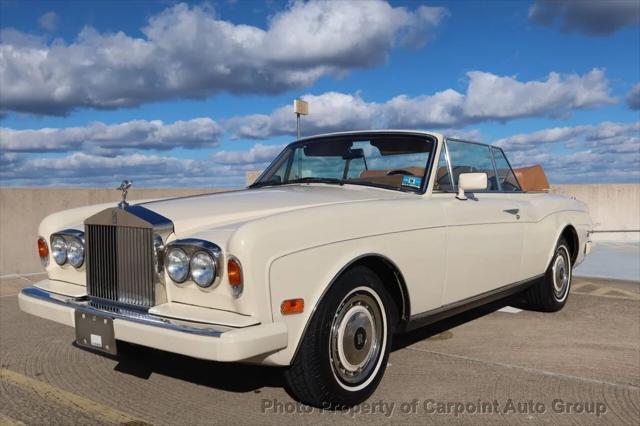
[{"x": 493, "y": 365}]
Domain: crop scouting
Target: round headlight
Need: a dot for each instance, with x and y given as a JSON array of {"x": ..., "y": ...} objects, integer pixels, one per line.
[
  {"x": 59, "y": 250},
  {"x": 75, "y": 253},
  {"x": 177, "y": 265},
  {"x": 203, "y": 269}
]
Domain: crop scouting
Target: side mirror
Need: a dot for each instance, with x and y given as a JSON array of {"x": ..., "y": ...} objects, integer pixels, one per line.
[{"x": 471, "y": 182}]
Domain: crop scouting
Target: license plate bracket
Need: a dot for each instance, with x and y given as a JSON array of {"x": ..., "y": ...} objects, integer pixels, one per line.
[{"x": 95, "y": 332}]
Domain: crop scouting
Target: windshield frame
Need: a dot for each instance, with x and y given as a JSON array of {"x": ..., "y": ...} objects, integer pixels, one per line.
[{"x": 290, "y": 149}]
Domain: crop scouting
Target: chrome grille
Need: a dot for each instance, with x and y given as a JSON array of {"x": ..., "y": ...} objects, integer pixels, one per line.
[{"x": 120, "y": 263}]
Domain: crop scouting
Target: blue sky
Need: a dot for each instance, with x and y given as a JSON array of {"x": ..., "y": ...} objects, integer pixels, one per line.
[{"x": 196, "y": 94}]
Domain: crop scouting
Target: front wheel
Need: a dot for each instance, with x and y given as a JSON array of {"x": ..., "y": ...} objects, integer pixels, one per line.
[
  {"x": 344, "y": 352},
  {"x": 551, "y": 293}
]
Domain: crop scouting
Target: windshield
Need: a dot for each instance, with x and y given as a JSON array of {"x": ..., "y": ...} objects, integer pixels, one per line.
[{"x": 397, "y": 162}]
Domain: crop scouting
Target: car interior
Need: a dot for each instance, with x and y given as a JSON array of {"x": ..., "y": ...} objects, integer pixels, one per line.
[{"x": 390, "y": 177}]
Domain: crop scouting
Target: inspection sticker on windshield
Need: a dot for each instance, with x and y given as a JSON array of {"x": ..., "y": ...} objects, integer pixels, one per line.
[{"x": 412, "y": 181}]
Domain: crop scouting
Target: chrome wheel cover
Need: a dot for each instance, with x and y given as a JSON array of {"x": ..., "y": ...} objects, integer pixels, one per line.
[
  {"x": 561, "y": 272},
  {"x": 356, "y": 339}
]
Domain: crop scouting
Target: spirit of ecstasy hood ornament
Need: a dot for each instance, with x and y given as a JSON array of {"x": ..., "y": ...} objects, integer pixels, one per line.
[{"x": 124, "y": 187}]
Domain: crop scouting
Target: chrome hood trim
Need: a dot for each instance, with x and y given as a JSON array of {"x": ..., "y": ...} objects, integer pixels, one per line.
[{"x": 131, "y": 215}]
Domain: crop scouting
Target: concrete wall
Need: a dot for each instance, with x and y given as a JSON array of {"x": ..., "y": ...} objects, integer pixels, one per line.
[{"x": 614, "y": 207}]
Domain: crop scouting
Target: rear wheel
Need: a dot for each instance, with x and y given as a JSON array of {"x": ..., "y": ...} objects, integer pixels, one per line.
[
  {"x": 344, "y": 352},
  {"x": 551, "y": 293}
]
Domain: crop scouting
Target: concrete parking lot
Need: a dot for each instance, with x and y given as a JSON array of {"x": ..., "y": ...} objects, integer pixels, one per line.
[{"x": 578, "y": 366}]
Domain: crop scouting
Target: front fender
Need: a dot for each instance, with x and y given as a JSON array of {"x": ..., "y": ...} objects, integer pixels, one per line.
[
  {"x": 541, "y": 238},
  {"x": 309, "y": 273},
  {"x": 581, "y": 222}
]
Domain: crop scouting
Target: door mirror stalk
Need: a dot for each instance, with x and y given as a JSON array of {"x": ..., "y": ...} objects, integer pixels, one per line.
[{"x": 471, "y": 182}]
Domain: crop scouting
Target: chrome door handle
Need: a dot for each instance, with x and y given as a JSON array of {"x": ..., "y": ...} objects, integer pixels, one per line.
[{"x": 514, "y": 212}]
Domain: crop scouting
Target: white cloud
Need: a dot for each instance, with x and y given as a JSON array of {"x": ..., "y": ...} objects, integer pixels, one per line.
[
  {"x": 257, "y": 154},
  {"x": 329, "y": 111},
  {"x": 530, "y": 141},
  {"x": 584, "y": 166},
  {"x": 80, "y": 169},
  {"x": 489, "y": 97},
  {"x": 223, "y": 169},
  {"x": 606, "y": 152},
  {"x": 609, "y": 130},
  {"x": 186, "y": 51},
  {"x": 9, "y": 160},
  {"x": 48, "y": 21},
  {"x": 473, "y": 135},
  {"x": 633, "y": 99},
  {"x": 593, "y": 17},
  {"x": 502, "y": 98},
  {"x": 594, "y": 133},
  {"x": 135, "y": 134}
]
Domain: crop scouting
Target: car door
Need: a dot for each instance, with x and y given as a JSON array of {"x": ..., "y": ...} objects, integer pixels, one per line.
[{"x": 484, "y": 232}]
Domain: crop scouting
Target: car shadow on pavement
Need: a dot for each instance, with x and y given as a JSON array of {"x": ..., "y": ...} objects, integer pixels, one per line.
[
  {"x": 141, "y": 362},
  {"x": 441, "y": 329}
]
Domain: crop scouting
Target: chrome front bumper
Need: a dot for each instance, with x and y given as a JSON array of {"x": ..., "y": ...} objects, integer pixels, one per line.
[
  {"x": 588, "y": 247},
  {"x": 199, "y": 340}
]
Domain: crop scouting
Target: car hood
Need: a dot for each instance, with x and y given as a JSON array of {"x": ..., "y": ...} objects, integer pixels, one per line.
[{"x": 228, "y": 208}]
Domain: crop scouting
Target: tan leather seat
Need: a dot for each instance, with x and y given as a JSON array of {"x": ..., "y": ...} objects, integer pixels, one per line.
[
  {"x": 373, "y": 173},
  {"x": 416, "y": 171}
]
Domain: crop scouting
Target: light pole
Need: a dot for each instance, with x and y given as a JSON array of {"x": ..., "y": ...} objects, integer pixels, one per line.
[{"x": 300, "y": 107}]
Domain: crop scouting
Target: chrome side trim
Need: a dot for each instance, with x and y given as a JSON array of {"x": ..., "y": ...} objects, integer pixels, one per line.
[
  {"x": 449, "y": 168},
  {"x": 429, "y": 317},
  {"x": 495, "y": 170},
  {"x": 114, "y": 311}
]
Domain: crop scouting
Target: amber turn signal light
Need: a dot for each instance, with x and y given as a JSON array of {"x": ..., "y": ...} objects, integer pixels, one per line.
[
  {"x": 43, "y": 249},
  {"x": 292, "y": 306},
  {"x": 43, "y": 252},
  {"x": 234, "y": 271}
]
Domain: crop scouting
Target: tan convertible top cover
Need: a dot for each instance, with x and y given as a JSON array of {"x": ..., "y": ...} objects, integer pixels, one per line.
[{"x": 532, "y": 178}]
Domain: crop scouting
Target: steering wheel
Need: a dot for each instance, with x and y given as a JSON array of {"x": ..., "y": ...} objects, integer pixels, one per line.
[{"x": 399, "y": 172}]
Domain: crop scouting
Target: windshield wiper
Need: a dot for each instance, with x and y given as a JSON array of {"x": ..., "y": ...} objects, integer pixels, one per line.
[{"x": 312, "y": 179}]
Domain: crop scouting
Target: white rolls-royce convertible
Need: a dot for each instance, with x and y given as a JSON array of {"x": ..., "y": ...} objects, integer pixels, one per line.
[{"x": 343, "y": 241}]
